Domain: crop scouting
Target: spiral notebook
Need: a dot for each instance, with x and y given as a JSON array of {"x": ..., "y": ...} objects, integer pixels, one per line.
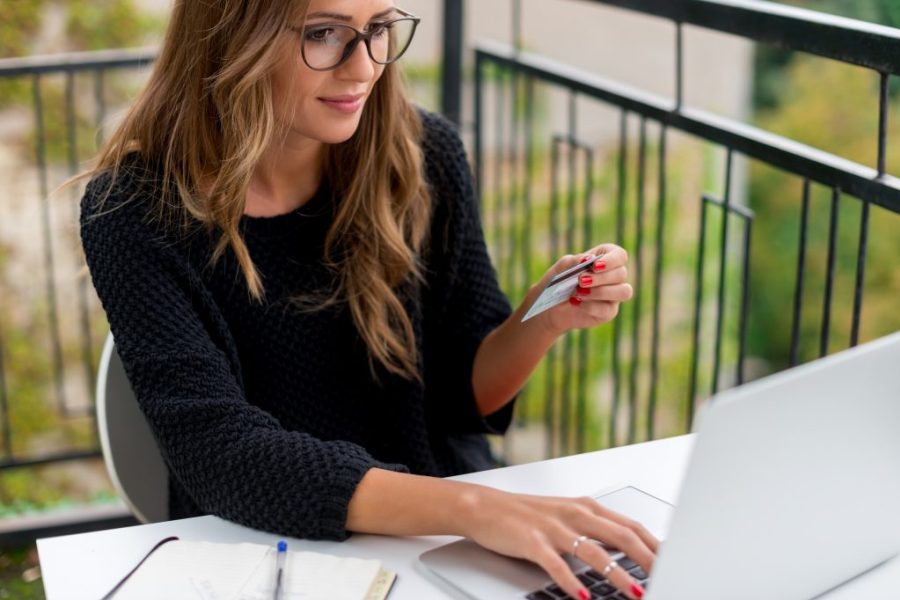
[{"x": 180, "y": 569}]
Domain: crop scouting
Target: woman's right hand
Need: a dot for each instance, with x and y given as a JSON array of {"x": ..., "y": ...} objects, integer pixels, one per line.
[
  {"x": 542, "y": 529},
  {"x": 537, "y": 528}
]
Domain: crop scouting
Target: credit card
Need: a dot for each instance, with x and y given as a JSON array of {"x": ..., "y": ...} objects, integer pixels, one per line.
[{"x": 559, "y": 289}]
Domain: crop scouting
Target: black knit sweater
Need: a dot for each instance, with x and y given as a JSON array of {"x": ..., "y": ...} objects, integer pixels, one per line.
[{"x": 268, "y": 415}]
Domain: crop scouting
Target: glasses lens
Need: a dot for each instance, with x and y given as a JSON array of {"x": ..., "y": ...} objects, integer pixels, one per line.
[
  {"x": 390, "y": 40},
  {"x": 324, "y": 47}
]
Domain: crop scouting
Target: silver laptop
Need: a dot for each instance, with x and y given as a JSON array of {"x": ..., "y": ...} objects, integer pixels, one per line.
[{"x": 792, "y": 489}]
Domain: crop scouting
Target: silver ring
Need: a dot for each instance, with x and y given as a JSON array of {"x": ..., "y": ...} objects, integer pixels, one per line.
[
  {"x": 608, "y": 568},
  {"x": 578, "y": 541}
]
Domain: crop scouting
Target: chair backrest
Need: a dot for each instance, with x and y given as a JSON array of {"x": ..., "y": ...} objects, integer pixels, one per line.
[{"x": 130, "y": 452}]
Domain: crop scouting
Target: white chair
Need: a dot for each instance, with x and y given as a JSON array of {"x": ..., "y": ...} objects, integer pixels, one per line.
[{"x": 132, "y": 457}]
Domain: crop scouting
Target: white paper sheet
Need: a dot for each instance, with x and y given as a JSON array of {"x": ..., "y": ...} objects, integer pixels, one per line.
[
  {"x": 313, "y": 576},
  {"x": 183, "y": 570}
]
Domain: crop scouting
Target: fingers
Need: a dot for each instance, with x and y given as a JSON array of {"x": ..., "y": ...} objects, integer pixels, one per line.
[
  {"x": 558, "y": 569},
  {"x": 588, "y": 551},
  {"x": 621, "y": 533},
  {"x": 619, "y": 292},
  {"x": 606, "y": 283},
  {"x": 611, "y": 277},
  {"x": 544, "y": 530},
  {"x": 609, "y": 257},
  {"x": 587, "y": 518},
  {"x": 628, "y": 541},
  {"x": 646, "y": 537},
  {"x": 613, "y": 573}
]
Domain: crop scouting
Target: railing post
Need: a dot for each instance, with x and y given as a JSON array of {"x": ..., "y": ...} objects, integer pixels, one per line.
[{"x": 451, "y": 73}]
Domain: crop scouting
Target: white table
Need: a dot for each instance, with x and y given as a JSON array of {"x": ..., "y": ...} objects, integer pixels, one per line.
[{"x": 88, "y": 565}]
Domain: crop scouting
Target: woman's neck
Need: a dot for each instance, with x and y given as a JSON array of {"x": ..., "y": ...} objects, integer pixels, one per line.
[{"x": 287, "y": 177}]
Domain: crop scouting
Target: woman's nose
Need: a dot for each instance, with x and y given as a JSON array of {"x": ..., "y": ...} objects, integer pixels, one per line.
[{"x": 359, "y": 66}]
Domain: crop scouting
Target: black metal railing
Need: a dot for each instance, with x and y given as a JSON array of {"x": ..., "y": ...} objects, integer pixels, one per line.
[
  {"x": 506, "y": 78},
  {"x": 64, "y": 323}
]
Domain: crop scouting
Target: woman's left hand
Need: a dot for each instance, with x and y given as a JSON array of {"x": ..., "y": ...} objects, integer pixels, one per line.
[
  {"x": 600, "y": 290},
  {"x": 509, "y": 354}
]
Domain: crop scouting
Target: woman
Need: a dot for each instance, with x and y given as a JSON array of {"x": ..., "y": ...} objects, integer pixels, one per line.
[{"x": 292, "y": 265}]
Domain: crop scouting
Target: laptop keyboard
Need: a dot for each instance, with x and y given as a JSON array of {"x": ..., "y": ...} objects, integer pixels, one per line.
[{"x": 596, "y": 584}]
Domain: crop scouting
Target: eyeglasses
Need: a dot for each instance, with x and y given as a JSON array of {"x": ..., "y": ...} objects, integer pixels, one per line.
[{"x": 326, "y": 47}]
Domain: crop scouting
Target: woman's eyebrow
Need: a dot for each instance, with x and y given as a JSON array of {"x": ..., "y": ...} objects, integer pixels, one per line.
[{"x": 347, "y": 18}]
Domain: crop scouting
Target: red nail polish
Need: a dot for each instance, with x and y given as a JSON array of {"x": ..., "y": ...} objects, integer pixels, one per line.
[
  {"x": 584, "y": 594},
  {"x": 637, "y": 591},
  {"x": 583, "y": 291},
  {"x": 584, "y": 259},
  {"x": 599, "y": 266},
  {"x": 575, "y": 301},
  {"x": 586, "y": 280}
]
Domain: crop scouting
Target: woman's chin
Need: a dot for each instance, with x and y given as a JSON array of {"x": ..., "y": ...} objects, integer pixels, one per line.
[{"x": 338, "y": 134}]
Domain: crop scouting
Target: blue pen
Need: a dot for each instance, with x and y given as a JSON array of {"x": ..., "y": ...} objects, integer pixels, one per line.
[{"x": 279, "y": 568}]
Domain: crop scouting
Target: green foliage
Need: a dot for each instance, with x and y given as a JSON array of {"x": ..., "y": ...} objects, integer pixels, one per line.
[
  {"x": 37, "y": 427},
  {"x": 19, "y": 20},
  {"x": 511, "y": 240},
  {"x": 818, "y": 102},
  {"x": 771, "y": 63},
  {"x": 56, "y": 126},
  {"x": 876, "y": 11},
  {"x": 842, "y": 121},
  {"x": 89, "y": 26},
  {"x": 27, "y": 372},
  {"x": 835, "y": 122},
  {"x": 890, "y": 13},
  {"x": 418, "y": 73},
  {"x": 25, "y": 491},
  {"x": 14, "y": 564},
  {"x": 423, "y": 83},
  {"x": 92, "y": 25}
]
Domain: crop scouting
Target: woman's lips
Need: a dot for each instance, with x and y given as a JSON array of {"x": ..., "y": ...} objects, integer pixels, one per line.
[{"x": 344, "y": 104}]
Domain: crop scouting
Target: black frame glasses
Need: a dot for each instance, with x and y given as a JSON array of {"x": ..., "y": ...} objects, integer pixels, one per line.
[{"x": 364, "y": 36}]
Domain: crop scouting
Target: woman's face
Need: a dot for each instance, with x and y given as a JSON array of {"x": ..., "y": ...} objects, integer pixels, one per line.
[{"x": 326, "y": 106}]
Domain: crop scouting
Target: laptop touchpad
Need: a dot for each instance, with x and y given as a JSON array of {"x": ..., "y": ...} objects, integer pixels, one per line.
[{"x": 650, "y": 511}]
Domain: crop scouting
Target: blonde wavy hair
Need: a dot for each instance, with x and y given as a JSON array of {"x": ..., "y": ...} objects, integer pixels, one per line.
[{"x": 204, "y": 120}]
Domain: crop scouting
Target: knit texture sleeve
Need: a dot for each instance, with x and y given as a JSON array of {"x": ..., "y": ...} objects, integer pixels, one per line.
[
  {"x": 464, "y": 283},
  {"x": 232, "y": 458}
]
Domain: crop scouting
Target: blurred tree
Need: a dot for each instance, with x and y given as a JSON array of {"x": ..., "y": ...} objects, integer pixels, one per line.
[
  {"x": 36, "y": 425},
  {"x": 18, "y": 22},
  {"x": 113, "y": 24},
  {"x": 89, "y": 26},
  {"x": 770, "y": 62},
  {"x": 833, "y": 121}
]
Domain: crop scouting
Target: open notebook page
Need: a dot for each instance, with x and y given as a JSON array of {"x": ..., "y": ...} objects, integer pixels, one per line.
[
  {"x": 194, "y": 571},
  {"x": 212, "y": 571},
  {"x": 313, "y": 576}
]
